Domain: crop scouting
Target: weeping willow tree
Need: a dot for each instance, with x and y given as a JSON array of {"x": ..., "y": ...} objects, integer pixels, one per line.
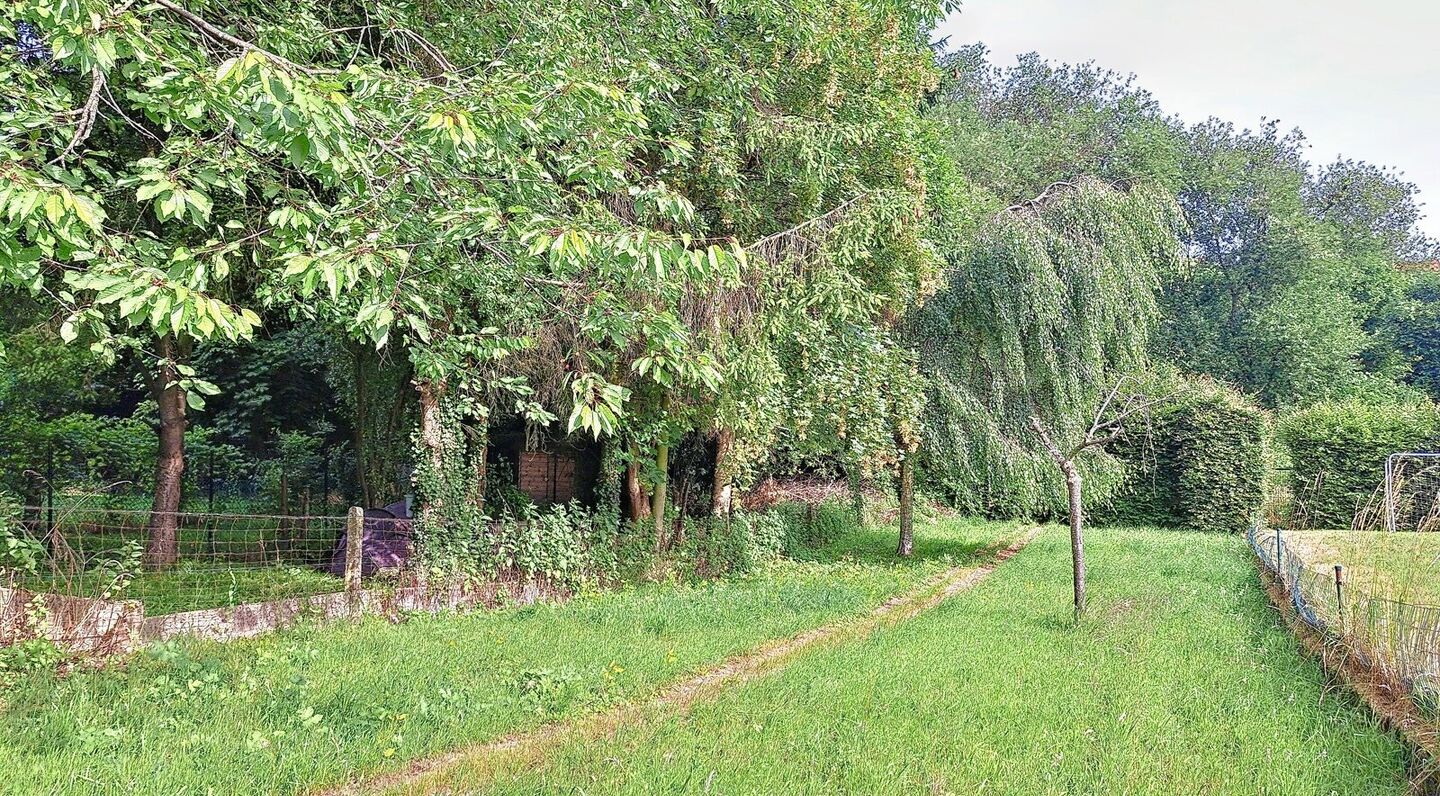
[{"x": 1042, "y": 304}]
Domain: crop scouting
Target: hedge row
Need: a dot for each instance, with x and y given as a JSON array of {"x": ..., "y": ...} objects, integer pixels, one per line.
[
  {"x": 1202, "y": 464},
  {"x": 1337, "y": 454}
]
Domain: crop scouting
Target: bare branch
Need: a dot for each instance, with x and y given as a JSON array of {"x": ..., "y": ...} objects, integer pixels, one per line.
[
  {"x": 438, "y": 61},
  {"x": 1050, "y": 446},
  {"x": 198, "y": 22},
  {"x": 768, "y": 250},
  {"x": 1044, "y": 197},
  {"x": 88, "y": 112}
]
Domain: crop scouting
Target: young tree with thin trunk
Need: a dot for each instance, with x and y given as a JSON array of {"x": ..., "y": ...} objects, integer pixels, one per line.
[
  {"x": 906, "y": 546},
  {"x": 1104, "y": 429},
  {"x": 162, "y": 547}
]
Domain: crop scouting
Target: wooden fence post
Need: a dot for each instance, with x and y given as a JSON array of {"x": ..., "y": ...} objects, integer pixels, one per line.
[{"x": 354, "y": 535}]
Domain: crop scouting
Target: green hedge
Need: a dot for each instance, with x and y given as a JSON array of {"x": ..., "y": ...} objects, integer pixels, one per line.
[
  {"x": 1337, "y": 454},
  {"x": 1202, "y": 464}
]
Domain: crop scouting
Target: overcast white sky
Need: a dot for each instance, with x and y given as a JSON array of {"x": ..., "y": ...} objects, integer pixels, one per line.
[{"x": 1361, "y": 79}]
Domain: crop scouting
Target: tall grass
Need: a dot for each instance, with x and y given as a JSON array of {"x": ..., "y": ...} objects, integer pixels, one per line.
[{"x": 1178, "y": 681}]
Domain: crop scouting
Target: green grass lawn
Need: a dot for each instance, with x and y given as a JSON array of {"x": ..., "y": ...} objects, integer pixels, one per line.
[
  {"x": 1400, "y": 566},
  {"x": 313, "y": 705},
  {"x": 193, "y": 585},
  {"x": 1179, "y": 681}
]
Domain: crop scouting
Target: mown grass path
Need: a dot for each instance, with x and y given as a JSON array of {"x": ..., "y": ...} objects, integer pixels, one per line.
[
  {"x": 1180, "y": 680},
  {"x": 531, "y": 747}
]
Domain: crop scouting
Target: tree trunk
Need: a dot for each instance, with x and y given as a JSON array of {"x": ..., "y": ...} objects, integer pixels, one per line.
[
  {"x": 722, "y": 490},
  {"x": 434, "y": 443},
  {"x": 282, "y": 538},
  {"x": 482, "y": 475},
  {"x": 432, "y": 427},
  {"x": 657, "y": 505},
  {"x": 1077, "y": 528},
  {"x": 635, "y": 490},
  {"x": 907, "y": 506},
  {"x": 362, "y": 422},
  {"x": 163, "y": 550}
]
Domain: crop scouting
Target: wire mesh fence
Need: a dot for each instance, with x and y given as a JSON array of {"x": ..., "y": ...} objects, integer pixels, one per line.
[
  {"x": 1401, "y": 640},
  {"x": 216, "y": 560}
]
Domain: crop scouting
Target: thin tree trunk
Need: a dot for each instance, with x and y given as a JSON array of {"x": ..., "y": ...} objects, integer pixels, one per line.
[
  {"x": 162, "y": 549},
  {"x": 857, "y": 495},
  {"x": 482, "y": 475},
  {"x": 362, "y": 422},
  {"x": 1077, "y": 532},
  {"x": 657, "y": 505},
  {"x": 907, "y": 506},
  {"x": 722, "y": 490},
  {"x": 282, "y": 541}
]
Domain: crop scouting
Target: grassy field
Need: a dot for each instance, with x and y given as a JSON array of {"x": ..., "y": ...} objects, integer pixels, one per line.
[
  {"x": 1179, "y": 681},
  {"x": 311, "y": 706},
  {"x": 1400, "y": 566}
]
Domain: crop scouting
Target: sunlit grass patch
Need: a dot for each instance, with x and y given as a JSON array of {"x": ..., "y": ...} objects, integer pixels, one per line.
[
  {"x": 1399, "y": 566},
  {"x": 1179, "y": 680}
]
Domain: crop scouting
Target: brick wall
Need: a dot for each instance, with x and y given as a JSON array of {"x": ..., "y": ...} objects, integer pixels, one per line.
[{"x": 547, "y": 477}]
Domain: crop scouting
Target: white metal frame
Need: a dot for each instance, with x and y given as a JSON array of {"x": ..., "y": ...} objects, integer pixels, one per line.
[{"x": 1390, "y": 482}]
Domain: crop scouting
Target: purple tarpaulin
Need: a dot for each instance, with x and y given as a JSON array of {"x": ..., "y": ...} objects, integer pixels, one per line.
[{"x": 384, "y": 541}]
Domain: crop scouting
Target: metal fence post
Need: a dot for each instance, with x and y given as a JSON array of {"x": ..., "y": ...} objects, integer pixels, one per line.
[
  {"x": 1339, "y": 596},
  {"x": 354, "y": 561},
  {"x": 1279, "y": 557},
  {"x": 1390, "y": 493}
]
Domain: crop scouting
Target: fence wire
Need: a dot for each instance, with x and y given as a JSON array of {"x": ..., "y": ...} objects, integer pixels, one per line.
[
  {"x": 218, "y": 560},
  {"x": 1399, "y": 639}
]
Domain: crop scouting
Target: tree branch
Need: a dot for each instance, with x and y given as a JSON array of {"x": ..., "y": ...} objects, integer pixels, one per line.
[
  {"x": 1041, "y": 199},
  {"x": 761, "y": 245},
  {"x": 198, "y": 22},
  {"x": 1050, "y": 446},
  {"x": 88, "y": 112}
]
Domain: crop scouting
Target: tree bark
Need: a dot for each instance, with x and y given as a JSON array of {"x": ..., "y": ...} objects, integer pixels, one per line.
[
  {"x": 1073, "y": 484},
  {"x": 162, "y": 549},
  {"x": 857, "y": 495},
  {"x": 432, "y": 440},
  {"x": 1077, "y": 532},
  {"x": 657, "y": 505},
  {"x": 361, "y": 421},
  {"x": 482, "y": 476},
  {"x": 907, "y": 507},
  {"x": 635, "y": 490},
  {"x": 722, "y": 490}
]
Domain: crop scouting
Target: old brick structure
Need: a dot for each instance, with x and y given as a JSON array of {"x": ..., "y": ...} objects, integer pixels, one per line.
[{"x": 549, "y": 470}]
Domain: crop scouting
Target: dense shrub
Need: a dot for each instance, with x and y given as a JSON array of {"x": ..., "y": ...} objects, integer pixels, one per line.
[
  {"x": 742, "y": 543},
  {"x": 1337, "y": 454},
  {"x": 809, "y": 525},
  {"x": 1202, "y": 464},
  {"x": 749, "y": 539}
]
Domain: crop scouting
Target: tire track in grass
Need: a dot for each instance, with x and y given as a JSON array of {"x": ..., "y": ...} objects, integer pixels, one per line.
[{"x": 482, "y": 760}]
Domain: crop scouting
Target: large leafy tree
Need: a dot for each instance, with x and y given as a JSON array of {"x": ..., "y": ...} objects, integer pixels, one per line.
[
  {"x": 542, "y": 220},
  {"x": 1058, "y": 227}
]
